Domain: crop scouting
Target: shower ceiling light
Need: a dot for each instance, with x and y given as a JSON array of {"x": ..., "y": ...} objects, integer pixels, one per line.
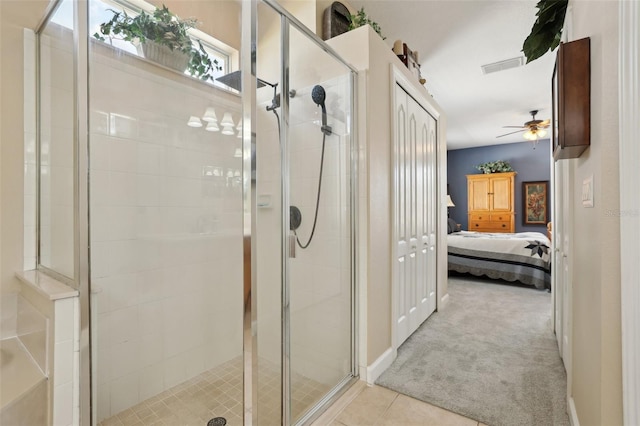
[
  {"x": 194, "y": 122},
  {"x": 210, "y": 115},
  {"x": 212, "y": 126},
  {"x": 227, "y": 120},
  {"x": 228, "y": 130}
]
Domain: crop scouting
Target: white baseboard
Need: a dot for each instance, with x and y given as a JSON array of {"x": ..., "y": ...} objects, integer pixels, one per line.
[
  {"x": 573, "y": 414},
  {"x": 444, "y": 301},
  {"x": 379, "y": 365}
]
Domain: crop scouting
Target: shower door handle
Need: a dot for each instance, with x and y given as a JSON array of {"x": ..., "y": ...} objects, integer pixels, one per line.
[{"x": 292, "y": 245}]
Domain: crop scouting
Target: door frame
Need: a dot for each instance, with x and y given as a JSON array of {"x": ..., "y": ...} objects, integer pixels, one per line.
[{"x": 629, "y": 115}]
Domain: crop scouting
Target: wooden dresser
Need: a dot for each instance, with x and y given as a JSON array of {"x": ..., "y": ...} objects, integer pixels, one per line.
[{"x": 491, "y": 202}]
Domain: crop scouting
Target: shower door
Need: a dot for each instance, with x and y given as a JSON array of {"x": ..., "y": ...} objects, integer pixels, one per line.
[
  {"x": 305, "y": 153},
  {"x": 320, "y": 252}
]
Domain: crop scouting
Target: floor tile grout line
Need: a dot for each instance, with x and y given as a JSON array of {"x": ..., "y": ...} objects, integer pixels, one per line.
[{"x": 386, "y": 410}]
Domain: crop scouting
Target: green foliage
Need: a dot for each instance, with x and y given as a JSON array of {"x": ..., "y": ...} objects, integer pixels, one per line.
[
  {"x": 360, "y": 19},
  {"x": 499, "y": 166},
  {"x": 547, "y": 30},
  {"x": 165, "y": 28}
]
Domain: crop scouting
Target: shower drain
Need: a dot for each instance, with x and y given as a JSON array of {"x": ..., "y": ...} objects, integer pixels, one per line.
[{"x": 217, "y": 421}]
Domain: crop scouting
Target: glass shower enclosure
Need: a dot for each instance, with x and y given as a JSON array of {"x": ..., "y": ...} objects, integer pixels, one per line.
[{"x": 207, "y": 222}]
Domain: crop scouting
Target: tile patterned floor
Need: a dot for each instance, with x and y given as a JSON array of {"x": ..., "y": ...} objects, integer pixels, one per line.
[
  {"x": 218, "y": 393},
  {"x": 364, "y": 405}
]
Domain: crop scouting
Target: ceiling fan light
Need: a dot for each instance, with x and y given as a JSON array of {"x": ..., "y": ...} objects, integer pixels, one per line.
[
  {"x": 529, "y": 135},
  {"x": 542, "y": 133}
]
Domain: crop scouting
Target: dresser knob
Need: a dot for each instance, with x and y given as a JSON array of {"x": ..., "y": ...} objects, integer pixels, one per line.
[
  {"x": 504, "y": 226},
  {"x": 477, "y": 224}
]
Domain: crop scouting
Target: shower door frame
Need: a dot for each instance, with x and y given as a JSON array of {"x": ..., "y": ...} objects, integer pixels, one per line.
[
  {"x": 249, "y": 56},
  {"x": 81, "y": 250},
  {"x": 81, "y": 279}
]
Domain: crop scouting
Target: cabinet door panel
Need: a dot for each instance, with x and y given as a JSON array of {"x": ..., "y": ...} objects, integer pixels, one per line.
[
  {"x": 478, "y": 195},
  {"x": 501, "y": 190}
]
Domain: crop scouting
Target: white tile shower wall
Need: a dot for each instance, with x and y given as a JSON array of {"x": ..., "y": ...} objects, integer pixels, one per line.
[
  {"x": 29, "y": 150},
  {"x": 65, "y": 361},
  {"x": 166, "y": 231}
]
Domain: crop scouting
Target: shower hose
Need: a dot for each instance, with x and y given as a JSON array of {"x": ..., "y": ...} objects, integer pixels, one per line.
[{"x": 315, "y": 216}]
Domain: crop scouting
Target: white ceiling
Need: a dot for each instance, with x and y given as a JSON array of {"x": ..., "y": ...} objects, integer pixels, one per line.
[{"x": 454, "y": 38}]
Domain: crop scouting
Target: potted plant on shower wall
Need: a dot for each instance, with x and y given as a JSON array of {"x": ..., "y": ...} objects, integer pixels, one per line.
[
  {"x": 361, "y": 18},
  {"x": 163, "y": 38}
]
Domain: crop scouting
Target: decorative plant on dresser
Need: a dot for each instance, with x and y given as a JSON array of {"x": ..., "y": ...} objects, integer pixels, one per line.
[{"x": 491, "y": 202}]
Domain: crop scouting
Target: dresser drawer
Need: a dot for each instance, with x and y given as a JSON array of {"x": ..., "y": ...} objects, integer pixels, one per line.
[
  {"x": 479, "y": 217},
  {"x": 500, "y": 217},
  {"x": 490, "y": 226}
]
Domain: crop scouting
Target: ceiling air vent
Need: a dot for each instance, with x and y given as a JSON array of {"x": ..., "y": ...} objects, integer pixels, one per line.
[{"x": 503, "y": 65}]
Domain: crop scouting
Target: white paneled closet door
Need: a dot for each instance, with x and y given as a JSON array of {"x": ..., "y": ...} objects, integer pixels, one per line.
[{"x": 415, "y": 215}]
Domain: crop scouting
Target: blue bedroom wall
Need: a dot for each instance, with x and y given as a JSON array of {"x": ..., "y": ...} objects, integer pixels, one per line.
[{"x": 530, "y": 165}]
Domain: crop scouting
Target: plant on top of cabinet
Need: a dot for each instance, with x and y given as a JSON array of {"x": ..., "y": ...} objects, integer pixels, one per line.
[
  {"x": 499, "y": 166},
  {"x": 361, "y": 18},
  {"x": 163, "y": 38}
]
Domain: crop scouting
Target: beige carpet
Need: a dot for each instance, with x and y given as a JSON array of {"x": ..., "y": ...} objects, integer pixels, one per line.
[{"x": 490, "y": 355}]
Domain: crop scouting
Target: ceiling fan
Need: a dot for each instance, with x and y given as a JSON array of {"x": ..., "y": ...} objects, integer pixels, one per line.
[{"x": 535, "y": 129}]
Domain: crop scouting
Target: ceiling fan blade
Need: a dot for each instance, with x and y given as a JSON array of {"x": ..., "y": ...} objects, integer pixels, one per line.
[
  {"x": 545, "y": 123},
  {"x": 515, "y": 127},
  {"x": 517, "y": 131}
]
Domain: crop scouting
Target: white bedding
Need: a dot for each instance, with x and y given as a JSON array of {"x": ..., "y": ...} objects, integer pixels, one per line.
[{"x": 524, "y": 256}]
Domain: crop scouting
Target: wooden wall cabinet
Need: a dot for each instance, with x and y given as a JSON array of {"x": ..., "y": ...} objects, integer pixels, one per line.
[
  {"x": 491, "y": 202},
  {"x": 571, "y": 99}
]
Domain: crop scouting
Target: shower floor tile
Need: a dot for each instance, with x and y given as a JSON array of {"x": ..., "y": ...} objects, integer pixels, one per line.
[{"x": 218, "y": 393}]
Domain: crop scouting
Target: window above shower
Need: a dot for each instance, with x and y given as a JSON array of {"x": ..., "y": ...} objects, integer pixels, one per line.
[{"x": 101, "y": 11}]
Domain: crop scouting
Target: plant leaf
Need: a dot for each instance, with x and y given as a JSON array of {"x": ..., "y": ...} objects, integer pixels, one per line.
[{"x": 547, "y": 30}]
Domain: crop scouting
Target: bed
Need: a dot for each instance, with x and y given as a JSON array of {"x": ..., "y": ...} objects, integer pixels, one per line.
[{"x": 523, "y": 257}]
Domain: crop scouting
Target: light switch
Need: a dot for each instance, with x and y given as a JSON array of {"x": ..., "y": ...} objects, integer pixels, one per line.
[{"x": 587, "y": 192}]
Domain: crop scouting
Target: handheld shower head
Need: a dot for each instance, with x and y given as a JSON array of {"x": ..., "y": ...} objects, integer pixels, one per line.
[{"x": 318, "y": 95}]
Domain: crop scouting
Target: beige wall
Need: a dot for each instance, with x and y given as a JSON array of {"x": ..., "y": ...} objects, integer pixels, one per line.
[
  {"x": 597, "y": 376},
  {"x": 220, "y": 19},
  {"x": 14, "y": 17}
]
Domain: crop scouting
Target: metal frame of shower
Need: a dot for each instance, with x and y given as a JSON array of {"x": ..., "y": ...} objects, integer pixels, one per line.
[
  {"x": 249, "y": 80},
  {"x": 81, "y": 279},
  {"x": 81, "y": 274}
]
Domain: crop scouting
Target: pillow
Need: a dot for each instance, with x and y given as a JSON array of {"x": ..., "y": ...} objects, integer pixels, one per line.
[{"x": 452, "y": 226}]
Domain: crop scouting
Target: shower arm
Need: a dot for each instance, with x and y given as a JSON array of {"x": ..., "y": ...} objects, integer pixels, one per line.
[{"x": 275, "y": 102}]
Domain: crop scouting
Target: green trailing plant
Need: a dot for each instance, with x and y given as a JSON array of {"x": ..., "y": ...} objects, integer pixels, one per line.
[
  {"x": 360, "y": 19},
  {"x": 547, "y": 30},
  {"x": 499, "y": 166},
  {"x": 164, "y": 28}
]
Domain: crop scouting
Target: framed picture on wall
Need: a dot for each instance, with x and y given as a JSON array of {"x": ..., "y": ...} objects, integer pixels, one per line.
[{"x": 535, "y": 197}]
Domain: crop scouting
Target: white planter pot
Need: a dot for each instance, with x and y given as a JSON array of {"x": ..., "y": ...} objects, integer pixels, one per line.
[{"x": 162, "y": 55}]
